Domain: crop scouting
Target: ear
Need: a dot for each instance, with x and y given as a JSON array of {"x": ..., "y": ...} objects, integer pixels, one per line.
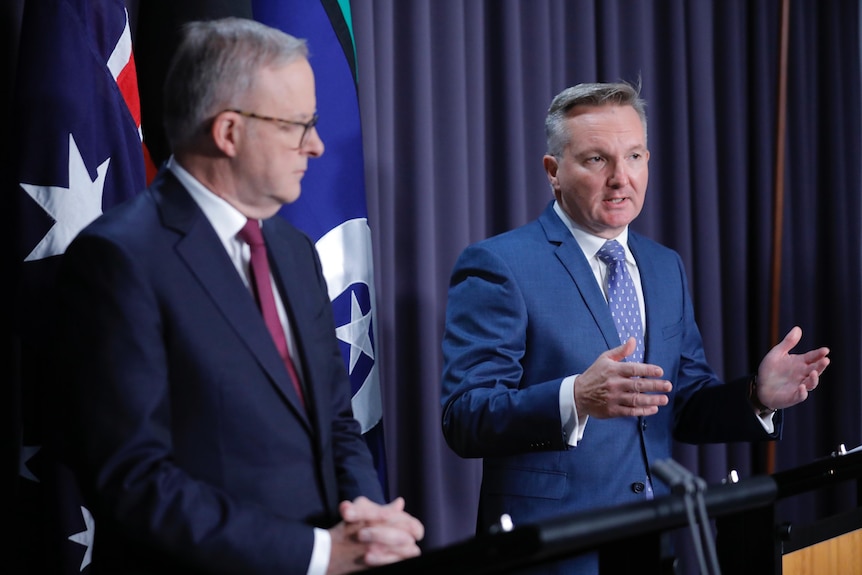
[
  {"x": 226, "y": 132},
  {"x": 551, "y": 166}
]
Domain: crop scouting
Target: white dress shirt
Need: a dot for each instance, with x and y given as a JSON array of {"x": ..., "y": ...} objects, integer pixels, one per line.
[{"x": 227, "y": 221}]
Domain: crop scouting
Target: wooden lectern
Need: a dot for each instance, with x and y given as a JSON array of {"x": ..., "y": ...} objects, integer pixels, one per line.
[{"x": 756, "y": 541}]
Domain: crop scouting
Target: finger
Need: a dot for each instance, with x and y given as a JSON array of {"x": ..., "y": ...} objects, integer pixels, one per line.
[
  {"x": 396, "y": 505},
  {"x": 812, "y": 380},
  {"x": 621, "y": 352},
  {"x": 361, "y": 509},
  {"x": 386, "y": 555},
  {"x": 350, "y": 510},
  {"x": 639, "y": 370},
  {"x": 386, "y": 536},
  {"x": 644, "y": 411},
  {"x": 407, "y": 523},
  {"x": 821, "y": 365},
  {"x": 817, "y": 356},
  {"x": 802, "y": 393},
  {"x": 649, "y": 385},
  {"x": 393, "y": 514},
  {"x": 646, "y": 401},
  {"x": 644, "y": 383},
  {"x": 790, "y": 340}
]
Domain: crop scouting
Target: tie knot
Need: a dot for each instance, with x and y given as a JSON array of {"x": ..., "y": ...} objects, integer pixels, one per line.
[
  {"x": 612, "y": 251},
  {"x": 251, "y": 233}
]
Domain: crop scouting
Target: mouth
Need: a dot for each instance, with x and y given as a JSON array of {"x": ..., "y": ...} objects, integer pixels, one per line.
[{"x": 616, "y": 201}]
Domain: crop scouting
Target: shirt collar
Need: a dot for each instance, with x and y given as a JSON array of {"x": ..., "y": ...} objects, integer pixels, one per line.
[
  {"x": 589, "y": 243},
  {"x": 225, "y": 219}
]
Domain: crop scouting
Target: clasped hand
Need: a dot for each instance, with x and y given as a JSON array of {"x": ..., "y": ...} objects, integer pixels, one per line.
[
  {"x": 372, "y": 534},
  {"x": 611, "y": 387}
]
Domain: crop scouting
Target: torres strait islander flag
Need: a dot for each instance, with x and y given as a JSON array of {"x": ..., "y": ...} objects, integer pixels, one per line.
[
  {"x": 77, "y": 151},
  {"x": 332, "y": 209}
]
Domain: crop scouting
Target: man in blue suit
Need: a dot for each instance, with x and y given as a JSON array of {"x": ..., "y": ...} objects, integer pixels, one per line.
[
  {"x": 538, "y": 379},
  {"x": 196, "y": 449}
]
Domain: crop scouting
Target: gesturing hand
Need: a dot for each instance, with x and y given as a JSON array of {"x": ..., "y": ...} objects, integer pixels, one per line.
[
  {"x": 785, "y": 379},
  {"x": 611, "y": 387}
]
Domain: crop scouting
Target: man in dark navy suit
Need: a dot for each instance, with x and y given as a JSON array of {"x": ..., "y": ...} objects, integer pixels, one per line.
[{"x": 201, "y": 446}]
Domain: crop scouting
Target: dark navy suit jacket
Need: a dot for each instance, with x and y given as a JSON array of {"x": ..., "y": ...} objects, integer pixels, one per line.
[
  {"x": 525, "y": 311},
  {"x": 185, "y": 433}
]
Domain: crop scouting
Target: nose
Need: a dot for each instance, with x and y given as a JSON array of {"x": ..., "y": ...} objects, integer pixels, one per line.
[
  {"x": 618, "y": 177},
  {"x": 313, "y": 144}
]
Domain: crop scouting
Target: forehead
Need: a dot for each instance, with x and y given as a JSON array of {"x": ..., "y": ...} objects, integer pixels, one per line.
[
  {"x": 289, "y": 86},
  {"x": 605, "y": 123}
]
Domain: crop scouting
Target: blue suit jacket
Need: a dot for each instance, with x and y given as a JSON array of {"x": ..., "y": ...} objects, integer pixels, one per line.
[
  {"x": 186, "y": 435},
  {"x": 524, "y": 312}
]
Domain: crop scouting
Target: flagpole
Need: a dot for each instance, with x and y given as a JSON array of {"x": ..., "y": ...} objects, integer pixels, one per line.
[{"x": 778, "y": 195}]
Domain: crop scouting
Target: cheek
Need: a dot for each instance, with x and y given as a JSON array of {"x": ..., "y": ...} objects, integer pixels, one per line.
[
  {"x": 583, "y": 186},
  {"x": 572, "y": 180},
  {"x": 641, "y": 177}
]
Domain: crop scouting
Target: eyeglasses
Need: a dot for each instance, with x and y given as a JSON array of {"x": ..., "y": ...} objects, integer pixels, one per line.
[{"x": 306, "y": 126}]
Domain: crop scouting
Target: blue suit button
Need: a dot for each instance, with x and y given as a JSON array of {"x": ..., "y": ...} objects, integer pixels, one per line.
[{"x": 638, "y": 487}]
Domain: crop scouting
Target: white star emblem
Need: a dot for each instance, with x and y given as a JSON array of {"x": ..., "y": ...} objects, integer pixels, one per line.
[
  {"x": 85, "y": 538},
  {"x": 355, "y": 333},
  {"x": 72, "y": 208},
  {"x": 27, "y": 453},
  {"x": 345, "y": 253}
]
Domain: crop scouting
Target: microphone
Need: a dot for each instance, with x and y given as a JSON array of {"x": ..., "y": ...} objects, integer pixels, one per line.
[{"x": 681, "y": 480}]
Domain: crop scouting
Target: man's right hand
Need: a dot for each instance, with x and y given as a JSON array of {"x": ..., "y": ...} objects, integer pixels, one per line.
[{"x": 611, "y": 387}]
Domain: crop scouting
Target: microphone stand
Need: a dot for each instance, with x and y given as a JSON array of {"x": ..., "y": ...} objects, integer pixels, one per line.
[{"x": 692, "y": 487}]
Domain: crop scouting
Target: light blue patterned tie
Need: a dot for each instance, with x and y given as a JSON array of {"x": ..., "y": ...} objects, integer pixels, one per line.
[
  {"x": 622, "y": 297},
  {"x": 626, "y": 311}
]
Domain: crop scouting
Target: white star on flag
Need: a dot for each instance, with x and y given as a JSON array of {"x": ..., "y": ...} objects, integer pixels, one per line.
[
  {"x": 341, "y": 274},
  {"x": 27, "y": 453},
  {"x": 72, "y": 208},
  {"x": 355, "y": 333},
  {"x": 85, "y": 537}
]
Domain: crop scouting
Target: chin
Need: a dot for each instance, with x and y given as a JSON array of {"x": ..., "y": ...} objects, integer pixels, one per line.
[{"x": 290, "y": 196}]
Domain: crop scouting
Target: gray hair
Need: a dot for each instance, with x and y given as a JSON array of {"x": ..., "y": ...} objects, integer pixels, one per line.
[
  {"x": 214, "y": 66},
  {"x": 593, "y": 94}
]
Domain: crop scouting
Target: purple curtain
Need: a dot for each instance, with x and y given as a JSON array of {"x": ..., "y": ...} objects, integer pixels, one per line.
[{"x": 453, "y": 96}]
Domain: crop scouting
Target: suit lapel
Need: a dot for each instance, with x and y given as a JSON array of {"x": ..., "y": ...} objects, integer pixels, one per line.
[
  {"x": 202, "y": 251},
  {"x": 295, "y": 297},
  {"x": 649, "y": 277},
  {"x": 299, "y": 306},
  {"x": 570, "y": 255}
]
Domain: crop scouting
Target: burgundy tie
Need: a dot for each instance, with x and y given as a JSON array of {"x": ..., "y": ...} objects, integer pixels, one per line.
[{"x": 251, "y": 234}]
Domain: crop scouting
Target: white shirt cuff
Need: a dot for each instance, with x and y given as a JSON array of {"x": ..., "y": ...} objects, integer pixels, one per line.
[
  {"x": 320, "y": 553},
  {"x": 767, "y": 423},
  {"x": 571, "y": 424}
]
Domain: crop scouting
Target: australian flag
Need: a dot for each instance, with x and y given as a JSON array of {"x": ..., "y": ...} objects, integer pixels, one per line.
[{"x": 76, "y": 151}]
